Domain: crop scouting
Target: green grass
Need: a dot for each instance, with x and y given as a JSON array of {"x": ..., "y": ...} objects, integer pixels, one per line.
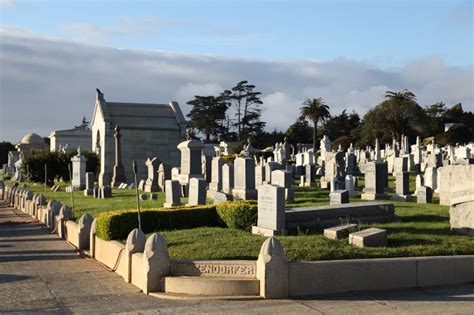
[{"x": 423, "y": 230}]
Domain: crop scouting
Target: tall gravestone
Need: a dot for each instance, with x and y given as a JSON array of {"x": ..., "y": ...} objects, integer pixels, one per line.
[
  {"x": 430, "y": 177},
  {"x": 271, "y": 211},
  {"x": 244, "y": 179},
  {"x": 89, "y": 189},
  {"x": 374, "y": 181},
  {"x": 151, "y": 184},
  {"x": 216, "y": 176},
  {"x": 164, "y": 173},
  {"x": 191, "y": 151},
  {"x": 118, "y": 172},
  {"x": 197, "y": 192},
  {"x": 402, "y": 189},
  {"x": 78, "y": 170},
  {"x": 227, "y": 178},
  {"x": 310, "y": 175}
]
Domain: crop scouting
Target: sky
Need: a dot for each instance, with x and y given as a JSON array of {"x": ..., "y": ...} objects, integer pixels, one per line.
[{"x": 53, "y": 54}]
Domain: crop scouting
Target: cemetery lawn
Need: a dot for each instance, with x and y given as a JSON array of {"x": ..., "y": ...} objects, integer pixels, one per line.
[{"x": 423, "y": 230}]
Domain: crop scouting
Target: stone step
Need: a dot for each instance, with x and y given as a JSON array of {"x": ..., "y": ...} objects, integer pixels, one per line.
[{"x": 212, "y": 286}]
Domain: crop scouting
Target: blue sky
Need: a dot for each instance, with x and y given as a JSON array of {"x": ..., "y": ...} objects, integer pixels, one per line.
[
  {"x": 384, "y": 33},
  {"x": 54, "y": 54}
]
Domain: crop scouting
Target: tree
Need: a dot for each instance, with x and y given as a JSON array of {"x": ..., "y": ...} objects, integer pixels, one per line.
[
  {"x": 246, "y": 103},
  {"x": 208, "y": 115},
  {"x": 317, "y": 111},
  {"x": 398, "y": 114},
  {"x": 300, "y": 131},
  {"x": 343, "y": 125},
  {"x": 5, "y": 147}
]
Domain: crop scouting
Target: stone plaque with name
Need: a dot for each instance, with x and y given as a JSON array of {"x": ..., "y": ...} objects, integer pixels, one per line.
[{"x": 229, "y": 269}]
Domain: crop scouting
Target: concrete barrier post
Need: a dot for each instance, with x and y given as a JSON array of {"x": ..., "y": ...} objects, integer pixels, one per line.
[
  {"x": 85, "y": 223},
  {"x": 92, "y": 238},
  {"x": 156, "y": 262},
  {"x": 64, "y": 214},
  {"x": 272, "y": 270},
  {"x": 135, "y": 244}
]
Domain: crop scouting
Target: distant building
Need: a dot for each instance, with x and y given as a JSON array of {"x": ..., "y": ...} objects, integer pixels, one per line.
[
  {"x": 147, "y": 130},
  {"x": 31, "y": 141},
  {"x": 71, "y": 139}
]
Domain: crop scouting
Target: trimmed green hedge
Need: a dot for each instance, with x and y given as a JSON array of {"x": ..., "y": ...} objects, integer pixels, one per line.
[
  {"x": 116, "y": 225},
  {"x": 240, "y": 214}
]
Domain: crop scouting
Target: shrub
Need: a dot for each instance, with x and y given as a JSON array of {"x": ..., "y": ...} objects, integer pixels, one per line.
[
  {"x": 240, "y": 214},
  {"x": 57, "y": 164},
  {"x": 115, "y": 225}
]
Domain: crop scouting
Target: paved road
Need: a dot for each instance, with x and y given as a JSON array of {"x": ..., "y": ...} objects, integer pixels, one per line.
[{"x": 40, "y": 272}]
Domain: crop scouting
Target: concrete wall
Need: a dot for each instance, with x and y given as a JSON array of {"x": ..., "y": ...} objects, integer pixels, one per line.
[
  {"x": 331, "y": 277},
  {"x": 108, "y": 252},
  {"x": 72, "y": 232}
]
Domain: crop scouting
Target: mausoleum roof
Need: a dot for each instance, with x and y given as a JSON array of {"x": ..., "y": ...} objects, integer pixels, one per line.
[{"x": 32, "y": 138}]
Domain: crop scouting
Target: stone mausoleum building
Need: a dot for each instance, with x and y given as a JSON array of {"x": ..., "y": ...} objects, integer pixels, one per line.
[
  {"x": 31, "y": 141},
  {"x": 72, "y": 139},
  {"x": 146, "y": 131}
]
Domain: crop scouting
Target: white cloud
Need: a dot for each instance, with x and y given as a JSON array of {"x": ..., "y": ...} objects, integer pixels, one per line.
[
  {"x": 48, "y": 84},
  {"x": 6, "y": 3}
]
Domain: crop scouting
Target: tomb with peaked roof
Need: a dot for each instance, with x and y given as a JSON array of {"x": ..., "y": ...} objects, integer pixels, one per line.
[{"x": 146, "y": 131}]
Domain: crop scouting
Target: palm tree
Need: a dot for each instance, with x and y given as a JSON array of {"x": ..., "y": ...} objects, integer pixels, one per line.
[
  {"x": 317, "y": 111},
  {"x": 403, "y": 96}
]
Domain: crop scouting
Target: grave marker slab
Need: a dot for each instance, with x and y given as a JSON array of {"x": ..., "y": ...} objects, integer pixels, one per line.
[{"x": 271, "y": 211}]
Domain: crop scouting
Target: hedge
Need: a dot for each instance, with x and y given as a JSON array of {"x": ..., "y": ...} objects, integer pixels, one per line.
[
  {"x": 239, "y": 214},
  {"x": 116, "y": 225}
]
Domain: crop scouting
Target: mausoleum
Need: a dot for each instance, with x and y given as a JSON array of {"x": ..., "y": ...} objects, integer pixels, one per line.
[{"x": 146, "y": 131}]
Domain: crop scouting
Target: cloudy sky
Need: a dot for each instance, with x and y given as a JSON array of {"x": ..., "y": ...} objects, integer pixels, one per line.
[{"x": 53, "y": 54}]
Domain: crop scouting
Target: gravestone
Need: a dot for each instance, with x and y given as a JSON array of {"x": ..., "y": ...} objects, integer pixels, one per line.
[
  {"x": 141, "y": 185},
  {"x": 172, "y": 194},
  {"x": 118, "y": 171},
  {"x": 151, "y": 184},
  {"x": 89, "y": 190},
  {"x": 371, "y": 237},
  {"x": 164, "y": 173},
  {"x": 424, "y": 195},
  {"x": 222, "y": 197},
  {"x": 418, "y": 182},
  {"x": 105, "y": 192},
  {"x": 271, "y": 211},
  {"x": 78, "y": 170},
  {"x": 227, "y": 178},
  {"x": 339, "y": 197},
  {"x": 340, "y": 231},
  {"x": 269, "y": 168},
  {"x": 216, "y": 176},
  {"x": 284, "y": 179},
  {"x": 191, "y": 160},
  {"x": 400, "y": 165},
  {"x": 374, "y": 181},
  {"x": 244, "y": 179},
  {"x": 350, "y": 185},
  {"x": 310, "y": 175},
  {"x": 197, "y": 192},
  {"x": 430, "y": 177},
  {"x": 259, "y": 175},
  {"x": 402, "y": 181}
]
